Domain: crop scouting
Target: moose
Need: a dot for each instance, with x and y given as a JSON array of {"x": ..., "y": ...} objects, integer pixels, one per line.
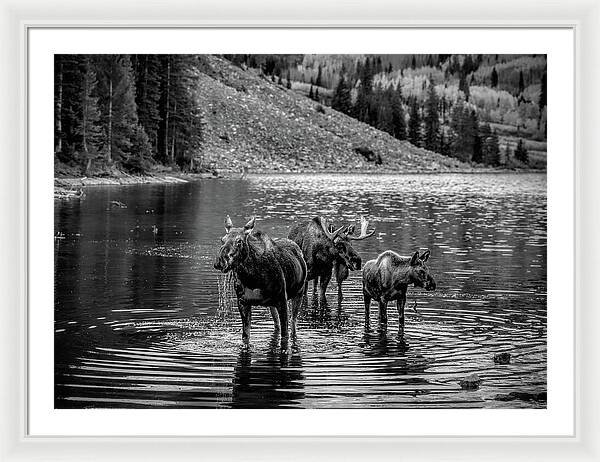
[
  {"x": 325, "y": 247},
  {"x": 266, "y": 272},
  {"x": 387, "y": 278}
]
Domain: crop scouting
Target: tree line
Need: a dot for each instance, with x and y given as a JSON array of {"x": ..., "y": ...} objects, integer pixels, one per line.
[
  {"x": 436, "y": 123},
  {"x": 126, "y": 111}
]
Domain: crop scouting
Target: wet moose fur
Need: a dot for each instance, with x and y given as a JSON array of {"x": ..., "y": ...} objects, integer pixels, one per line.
[
  {"x": 267, "y": 272},
  {"x": 324, "y": 248},
  {"x": 387, "y": 278}
]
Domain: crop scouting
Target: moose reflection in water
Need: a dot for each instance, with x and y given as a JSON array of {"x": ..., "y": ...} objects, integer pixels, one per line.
[
  {"x": 325, "y": 249},
  {"x": 267, "y": 272},
  {"x": 387, "y": 278},
  {"x": 272, "y": 380}
]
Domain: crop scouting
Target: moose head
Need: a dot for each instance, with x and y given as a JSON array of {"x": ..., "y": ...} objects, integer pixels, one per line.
[
  {"x": 342, "y": 246},
  {"x": 235, "y": 245},
  {"x": 418, "y": 272}
]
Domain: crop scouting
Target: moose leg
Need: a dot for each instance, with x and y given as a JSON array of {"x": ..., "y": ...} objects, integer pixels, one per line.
[
  {"x": 304, "y": 297},
  {"x": 367, "y": 298},
  {"x": 383, "y": 312},
  {"x": 246, "y": 313},
  {"x": 340, "y": 295},
  {"x": 400, "y": 303},
  {"x": 276, "y": 320},
  {"x": 315, "y": 285},
  {"x": 325, "y": 278},
  {"x": 282, "y": 309},
  {"x": 296, "y": 304}
]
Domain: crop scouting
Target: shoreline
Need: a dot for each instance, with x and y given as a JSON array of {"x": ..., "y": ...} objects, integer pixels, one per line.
[{"x": 68, "y": 186}]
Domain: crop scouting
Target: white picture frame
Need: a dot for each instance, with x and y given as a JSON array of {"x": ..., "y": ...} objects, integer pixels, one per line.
[{"x": 582, "y": 16}]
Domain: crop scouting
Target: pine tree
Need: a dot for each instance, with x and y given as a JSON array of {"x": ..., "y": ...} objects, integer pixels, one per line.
[
  {"x": 148, "y": 69},
  {"x": 385, "y": 120},
  {"x": 477, "y": 144},
  {"x": 490, "y": 146},
  {"x": 463, "y": 132},
  {"x": 89, "y": 128},
  {"x": 414, "y": 124},
  {"x": 318, "y": 82},
  {"x": 311, "y": 95},
  {"x": 521, "y": 82},
  {"x": 543, "y": 100},
  {"x": 58, "y": 103},
  {"x": 494, "y": 78},
  {"x": 342, "y": 100},
  {"x": 378, "y": 65},
  {"x": 362, "y": 107},
  {"x": 521, "y": 153},
  {"x": 68, "y": 105},
  {"x": 181, "y": 128},
  {"x": 543, "y": 93},
  {"x": 432, "y": 120},
  {"x": 289, "y": 81},
  {"x": 398, "y": 117},
  {"x": 117, "y": 105},
  {"x": 464, "y": 86},
  {"x": 317, "y": 94}
]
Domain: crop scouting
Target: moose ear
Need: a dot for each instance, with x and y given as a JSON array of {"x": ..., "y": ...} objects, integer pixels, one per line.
[
  {"x": 414, "y": 261},
  {"x": 351, "y": 229},
  {"x": 425, "y": 255},
  {"x": 248, "y": 227},
  {"x": 228, "y": 224}
]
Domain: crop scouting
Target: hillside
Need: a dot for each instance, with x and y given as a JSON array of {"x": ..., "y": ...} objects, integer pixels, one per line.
[{"x": 252, "y": 122}]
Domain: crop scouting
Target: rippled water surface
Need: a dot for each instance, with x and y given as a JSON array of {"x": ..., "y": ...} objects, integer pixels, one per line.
[{"x": 138, "y": 321}]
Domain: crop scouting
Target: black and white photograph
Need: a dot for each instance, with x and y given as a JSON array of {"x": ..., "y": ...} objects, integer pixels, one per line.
[{"x": 307, "y": 231}]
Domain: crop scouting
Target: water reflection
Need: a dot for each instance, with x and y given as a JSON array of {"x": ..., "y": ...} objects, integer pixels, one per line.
[
  {"x": 273, "y": 379},
  {"x": 137, "y": 320}
]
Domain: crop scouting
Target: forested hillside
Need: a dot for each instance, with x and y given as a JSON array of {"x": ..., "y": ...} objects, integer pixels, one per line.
[
  {"x": 487, "y": 109},
  {"x": 136, "y": 113}
]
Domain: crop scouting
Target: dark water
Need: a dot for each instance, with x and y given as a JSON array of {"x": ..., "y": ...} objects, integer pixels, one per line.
[{"x": 138, "y": 320}]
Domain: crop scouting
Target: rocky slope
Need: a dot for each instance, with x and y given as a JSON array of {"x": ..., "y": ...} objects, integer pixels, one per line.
[{"x": 254, "y": 123}]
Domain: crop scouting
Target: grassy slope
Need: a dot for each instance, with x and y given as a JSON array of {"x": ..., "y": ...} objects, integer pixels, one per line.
[{"x": 255, "y": 123}]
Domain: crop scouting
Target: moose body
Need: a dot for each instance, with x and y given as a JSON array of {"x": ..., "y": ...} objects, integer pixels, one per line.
[
  {"x": 267, "y": 272},
  {"x": 387, "y": 278},
  {"x": 323, "y": 248}
]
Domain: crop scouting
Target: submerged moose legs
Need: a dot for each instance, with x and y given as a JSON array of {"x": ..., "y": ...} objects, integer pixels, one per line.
[
  {"x": 367, "y": 298},
  {"x": 267, "y": 272},
  {"x": 282, "y": 310},
  {"x": 246, "y": 314},
  {"x": 388, "y": 277},
  {"x": 323, "y": 283},
  {"x": 276, "y": 320},
  {"x": 400, "y": 303},
  {"x": 296, "y": 304},
  {"x": 383, "y": 312}
]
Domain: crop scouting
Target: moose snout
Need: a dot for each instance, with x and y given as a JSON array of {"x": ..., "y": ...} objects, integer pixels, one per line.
[{"x": 355, "y": 263}]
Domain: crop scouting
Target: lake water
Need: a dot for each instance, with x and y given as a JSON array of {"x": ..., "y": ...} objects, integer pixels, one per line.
[{"x": 139, "y": 322}]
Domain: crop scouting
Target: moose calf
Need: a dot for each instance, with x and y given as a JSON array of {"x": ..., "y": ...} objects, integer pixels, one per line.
[{"x": 387, "y": 278}]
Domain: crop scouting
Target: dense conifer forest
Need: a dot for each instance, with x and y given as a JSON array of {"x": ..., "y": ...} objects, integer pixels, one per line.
[{"x": 135, "y": 112}]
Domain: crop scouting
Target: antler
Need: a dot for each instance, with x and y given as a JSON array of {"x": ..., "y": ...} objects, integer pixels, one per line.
[
  {"x": 330, "y": 234},
  {"x": 364, "y": 224},
  {"x": 228, "y": 224}
]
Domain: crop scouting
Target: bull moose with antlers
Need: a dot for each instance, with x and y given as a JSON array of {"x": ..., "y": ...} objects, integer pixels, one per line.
[
  {"x": 324, "y": 247},
  {"x": 267, "y": 272}
]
